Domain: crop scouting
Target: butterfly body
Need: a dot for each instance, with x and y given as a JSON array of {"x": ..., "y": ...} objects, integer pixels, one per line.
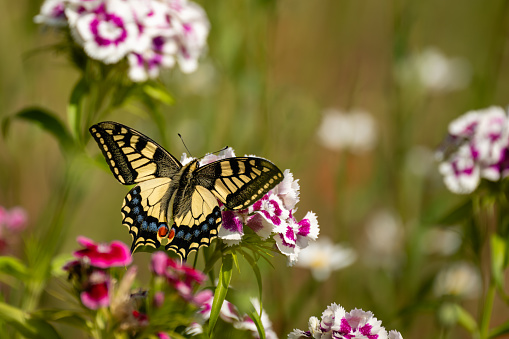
[{"x": 183, "y": 196}]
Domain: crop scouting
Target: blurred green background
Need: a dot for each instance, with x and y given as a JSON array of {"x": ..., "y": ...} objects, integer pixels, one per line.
[{"x": 271, "y": 70}]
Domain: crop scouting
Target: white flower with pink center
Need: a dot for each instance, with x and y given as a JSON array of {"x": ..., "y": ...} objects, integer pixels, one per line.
[
  {"x": 108, "y": 32},
  {"x": 477, "y": 147},
  {"x": 150, "y": 34},
  {"x": 293, "y": 236},
  {"x": 360, "y": 324},
  {"x": 338, "y": 324}
]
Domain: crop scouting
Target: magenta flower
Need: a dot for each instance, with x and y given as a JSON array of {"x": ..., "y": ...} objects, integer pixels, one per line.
[
  {"x": 97, "y": 290},
  {"x": 104, "y": 255}
]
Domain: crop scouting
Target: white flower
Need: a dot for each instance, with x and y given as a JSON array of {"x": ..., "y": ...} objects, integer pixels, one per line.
[
  {"x": 461, "y": 279},
  {"x": 288, "y": 190},
  {"x": 354, "y": 130},
  {"x": 433, "y": 71},
  {"x": 395, "y": 335},
  {"x": 323, "y": 257},
  {"x": 385, "y": 235}
]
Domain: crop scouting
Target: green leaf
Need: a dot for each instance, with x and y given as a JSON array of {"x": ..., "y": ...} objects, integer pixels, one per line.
[
  {"x": 498, "y": 255},
  {"x": 72, "y": 318},
  {"x": 499, "y": 330},
  {"x": 158, "y": 91},
  {"x": 13, "y": 267},
  {"x": 465, "y": 319},
  {"x": 47, "y": 121},
  {"x": 258, "y": 322},
  {"x": 74, "y": 107},
  {"x": 29, "y": 326},
  {"x": 225, "y": 275}
]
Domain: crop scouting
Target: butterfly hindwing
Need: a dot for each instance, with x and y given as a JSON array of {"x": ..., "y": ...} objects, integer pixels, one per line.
[
  {"x": 144, "y": 212},
  {"x": 196, "y": 216},
  {"x": 132, "y": 156},
  {"x": 239, "y": 182}
]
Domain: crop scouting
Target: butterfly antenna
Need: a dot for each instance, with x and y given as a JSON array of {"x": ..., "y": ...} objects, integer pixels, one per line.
[
  {"x": 222, "y": 149},
  {"x": 187, "y": 149}
]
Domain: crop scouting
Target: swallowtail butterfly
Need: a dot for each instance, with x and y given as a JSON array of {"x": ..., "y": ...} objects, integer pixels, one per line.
[{"x": 168, "y": 193}]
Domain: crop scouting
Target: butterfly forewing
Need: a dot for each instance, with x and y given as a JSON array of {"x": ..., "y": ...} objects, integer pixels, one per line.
[
  {"x": 144, "y": 212},
  {"x": 132, "y": 156},
  {"x": 239, "y": 182}
]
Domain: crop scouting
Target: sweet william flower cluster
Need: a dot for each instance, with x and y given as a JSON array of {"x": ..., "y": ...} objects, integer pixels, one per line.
[
  {"x": 273, "y": 215},
  {"x": 149, "y": 34},
  {"x": 336, "y": 323},
  {"x": 476, "y": 147}
]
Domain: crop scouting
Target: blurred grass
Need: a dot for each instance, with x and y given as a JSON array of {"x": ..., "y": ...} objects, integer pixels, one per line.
[{"x": 272, "y": 67}]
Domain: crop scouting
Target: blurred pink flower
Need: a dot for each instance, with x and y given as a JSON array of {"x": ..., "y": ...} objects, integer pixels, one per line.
[
  {"x": 180, "y": 276},
  {"x": 162, "y": 335},
  {"x": 14, "y": 219},
  {"x": 97, "y": 290},
  {"x": 104, "y": 255}
]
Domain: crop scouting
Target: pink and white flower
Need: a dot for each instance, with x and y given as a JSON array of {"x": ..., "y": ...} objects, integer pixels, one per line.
[
  {"x": 150, "y": 34},
  {"x": 477, "y": 147},
  {"x": 108, "y": 32},
  {"x": 337, "y": 323}
]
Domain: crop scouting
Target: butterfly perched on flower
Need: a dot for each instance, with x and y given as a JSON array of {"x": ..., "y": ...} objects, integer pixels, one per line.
[{"x": 187, "y": 196}]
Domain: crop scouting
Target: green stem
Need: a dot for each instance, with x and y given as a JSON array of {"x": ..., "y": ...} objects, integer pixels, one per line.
[{"x": 486, "y": 312}]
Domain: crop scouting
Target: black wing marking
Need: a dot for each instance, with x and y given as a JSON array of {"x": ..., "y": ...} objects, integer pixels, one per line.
[
  {"x": 239, "y": 182},
  {"x": 197, "y": 220},
  {"x": 132, "y": 156},
  {"x": 144, "y": 212}
]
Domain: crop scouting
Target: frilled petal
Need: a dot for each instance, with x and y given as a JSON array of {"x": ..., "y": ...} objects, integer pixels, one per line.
[
  {"x": 104, "y": 255},
  {"x": 231, "y": 230},
  {"x": 461, "y": 171},
  {"x": 288, "y": 190}
]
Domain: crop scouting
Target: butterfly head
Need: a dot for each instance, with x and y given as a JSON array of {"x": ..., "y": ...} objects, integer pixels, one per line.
[{"x": 191, "y": 167}]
